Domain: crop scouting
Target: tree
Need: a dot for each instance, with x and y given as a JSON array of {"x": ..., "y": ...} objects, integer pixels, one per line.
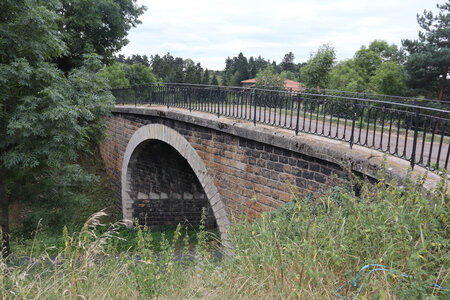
[
  {"x": 269, "y": 78},
  {"x": 46, "y": 117},
  {"x": 368, "y": 59},
  {"x": 206, "y": 78},
  {"x": 115, "y": 75},
  {"x": 388, "y": 79},
  {"x": 357, "y": 74},
  {"x": 139, "y": 74},
  {"x": 287, "y": 64},
  {"x": 428, "y": 62},
  {"x": 98, "y": 26},
  {"x": 315, "y": 73},
  {"x": 214, "y": 80},
  {"x": 346, "y": 76}
]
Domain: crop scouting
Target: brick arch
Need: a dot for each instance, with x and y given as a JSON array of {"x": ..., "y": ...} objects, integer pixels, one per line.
[{"x": 183, "y": 147}]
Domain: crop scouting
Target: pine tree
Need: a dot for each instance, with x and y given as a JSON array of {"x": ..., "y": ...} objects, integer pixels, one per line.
[{"x": 429, "y": 57}]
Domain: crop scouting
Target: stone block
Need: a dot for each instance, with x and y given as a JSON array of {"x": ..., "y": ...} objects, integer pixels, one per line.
[
  {"x": 142, "y": 196},
  {"x": 153, "y": 196},
  {"x": 187, "y": 196}
]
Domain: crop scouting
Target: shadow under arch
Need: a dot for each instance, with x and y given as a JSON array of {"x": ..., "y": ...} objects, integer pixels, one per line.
[{"x": 169, "y": 136}]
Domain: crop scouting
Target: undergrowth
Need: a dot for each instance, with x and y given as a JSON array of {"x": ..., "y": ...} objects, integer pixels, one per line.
[{"x": 306, "y": 249}]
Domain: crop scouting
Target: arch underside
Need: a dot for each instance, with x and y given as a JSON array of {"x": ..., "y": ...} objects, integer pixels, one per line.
[{"x": 201, "y": 185}]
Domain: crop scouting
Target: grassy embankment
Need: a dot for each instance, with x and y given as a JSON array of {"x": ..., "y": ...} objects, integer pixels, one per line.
[{"x": 304, "y": 250}]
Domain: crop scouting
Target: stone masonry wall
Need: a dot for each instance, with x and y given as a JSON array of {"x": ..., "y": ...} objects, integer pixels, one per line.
[{"x": 251, "y": 176}]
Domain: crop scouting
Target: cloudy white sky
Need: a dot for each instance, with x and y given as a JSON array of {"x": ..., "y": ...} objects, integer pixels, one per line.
[{"x": 208, "y": 31}]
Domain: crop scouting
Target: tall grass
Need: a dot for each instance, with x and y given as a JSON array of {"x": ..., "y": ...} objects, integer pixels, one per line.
[{"x": 304, "y": 250}]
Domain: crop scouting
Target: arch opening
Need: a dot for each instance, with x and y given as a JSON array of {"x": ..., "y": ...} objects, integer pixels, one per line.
[
  {"x": 170, "y": 137},
  {"x": 164, "y": 189}
]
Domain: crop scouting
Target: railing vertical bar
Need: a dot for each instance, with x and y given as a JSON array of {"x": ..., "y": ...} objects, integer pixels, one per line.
[
  {"x": 440, "y": 144},
  {"x": 423, "y": 140},
  {"x": 298, "y": 113},
  {"x": 382, "y": 127},
  {"x": 416, "y": 131},
  {"x": 398, "y": 134},
  {"x": 255, "y": 95},
  {"x": 433, "y": 130},
  {"x": 390, "y": 131},
  {"x": 408, "y": 126}
]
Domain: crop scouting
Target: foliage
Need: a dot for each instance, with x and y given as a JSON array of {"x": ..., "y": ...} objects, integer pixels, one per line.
[
  {"x": 268, "y": 78},
  {"x": 370, "y": 70},
  {"x": 116, "y": 76},
  {"x": 429, "y": 57},
  {"x": 315, "y": 73},
  {"x": 133, "y": 59},
  {"x": 214, "y": 80},
  {"x": 47, "y": 117},
  {"x": 304, "y": 250},
  {"x": 345, "y": 77},
  {"x": 206, "y": 80},
  {"x": 288, "y": 64},
  {"x": 388, "y": 79},
  {"x": 99, "y": 26}
]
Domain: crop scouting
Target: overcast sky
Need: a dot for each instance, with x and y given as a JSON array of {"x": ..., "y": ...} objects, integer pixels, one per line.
[{"x": 208, "y": 31}]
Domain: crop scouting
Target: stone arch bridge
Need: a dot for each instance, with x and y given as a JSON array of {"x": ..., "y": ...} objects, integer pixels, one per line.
[{"x": 166, "y": 165}]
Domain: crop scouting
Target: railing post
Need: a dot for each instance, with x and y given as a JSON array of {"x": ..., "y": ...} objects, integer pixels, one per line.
[
  {"x": 299, "y": 96},
  {"x": 218, "y": 101},
  {"x": 165, "y": 98},
  {"x": 416, "y": 129},
  {"x": 255, "y": 96},
  {"x": 352, "y": 136},
  {"x": 189, "y": 98}
]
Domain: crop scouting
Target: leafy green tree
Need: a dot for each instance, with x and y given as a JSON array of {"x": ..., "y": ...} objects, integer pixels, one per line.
[
  {"x": 98, "y": 26},
  {"x": 346, "y": 76},
  {"x": 289, "y": 75},
  {"x": 115, "y": 75},
  {"x": 269, "y": 78},
  {"x": 315, "y": 73},
  {"x": 368, "y": 59},
  {"x": 139, "y": 74},
  {"x": 428, "y": 62},
  {"x": 357, "y": 74},
  {"x": 388, "y": 79},
  {"x": 46, "y": 117}
]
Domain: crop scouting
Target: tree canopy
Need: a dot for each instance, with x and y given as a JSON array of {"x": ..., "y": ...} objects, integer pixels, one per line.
[
  {"x": 315, "y": 73},
  {"x": 429, "y": 56},
  {"x": 269, "y": 78},
  {"x": 50, "y": 113},
  {"x": 93, "y": 26},
  {"x": 376, "y": 68}
]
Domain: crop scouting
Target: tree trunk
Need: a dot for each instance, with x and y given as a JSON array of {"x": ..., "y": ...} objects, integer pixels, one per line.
[{"x": 4, "y": 206}]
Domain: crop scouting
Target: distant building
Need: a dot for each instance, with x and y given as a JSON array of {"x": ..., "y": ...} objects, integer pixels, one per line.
[{"x": 289, "y": 85}]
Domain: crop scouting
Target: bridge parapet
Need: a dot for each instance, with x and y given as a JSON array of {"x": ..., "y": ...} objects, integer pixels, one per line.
[{"x": 416, "y": 130}]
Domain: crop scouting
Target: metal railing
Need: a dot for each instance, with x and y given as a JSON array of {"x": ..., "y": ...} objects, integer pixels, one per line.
[{"x": 412, "y": 132}]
